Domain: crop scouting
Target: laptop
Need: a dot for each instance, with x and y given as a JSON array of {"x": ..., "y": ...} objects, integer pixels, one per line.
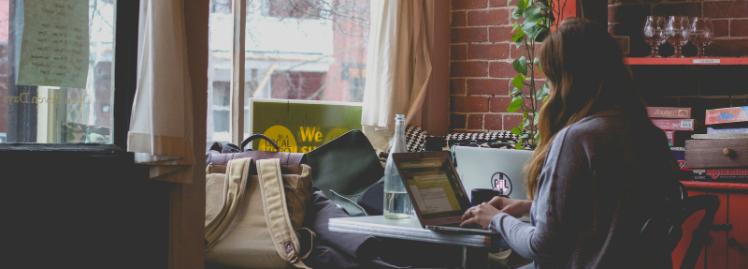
[
  {"x": 435, "y": 191},
  {"x": 497, "y": 169}
]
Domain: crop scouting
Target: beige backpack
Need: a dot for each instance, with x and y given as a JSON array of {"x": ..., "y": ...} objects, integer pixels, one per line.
[{"x": 252, "y": 219}]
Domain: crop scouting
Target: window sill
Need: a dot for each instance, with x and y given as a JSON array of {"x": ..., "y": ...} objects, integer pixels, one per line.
[{"x": 92, "y": 150}]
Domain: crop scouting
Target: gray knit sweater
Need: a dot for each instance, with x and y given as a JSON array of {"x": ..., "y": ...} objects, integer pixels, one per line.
[{"x": 602, "y": 178}]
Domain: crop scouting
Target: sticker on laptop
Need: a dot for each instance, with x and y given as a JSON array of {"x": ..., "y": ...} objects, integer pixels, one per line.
[{"x": 502, "y": 183}]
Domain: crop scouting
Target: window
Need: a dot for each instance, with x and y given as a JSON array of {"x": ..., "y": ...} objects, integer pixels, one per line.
[
  {"x": 58, "y": 113},
  {"x": 310, "y": 52}
]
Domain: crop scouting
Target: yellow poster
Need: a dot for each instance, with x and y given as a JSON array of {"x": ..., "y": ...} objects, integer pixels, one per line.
[{"x": 302, "y": 126}]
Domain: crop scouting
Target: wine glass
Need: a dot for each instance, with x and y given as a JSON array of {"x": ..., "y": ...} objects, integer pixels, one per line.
[
  {"x": 678, "y": 32},
  {"x": 702, "y": 34},
  {"x": 654, "y": 34}
]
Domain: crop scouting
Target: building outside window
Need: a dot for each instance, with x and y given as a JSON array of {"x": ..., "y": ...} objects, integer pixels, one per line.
[{"x": 297, "y": 50}]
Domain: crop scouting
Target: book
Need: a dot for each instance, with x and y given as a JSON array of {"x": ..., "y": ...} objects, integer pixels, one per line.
[
  {"x": 674, "y": 124},
  {"x": 670, "y": 135},
  {"x": 721, "y": 174},
  {"x": 679, "y": 153},
  {"x": 726, "y": 115},
  {"x": 669, "y": 112},
  {"x": 726, "y": 130},
  {"x": 720, "y": 136}
]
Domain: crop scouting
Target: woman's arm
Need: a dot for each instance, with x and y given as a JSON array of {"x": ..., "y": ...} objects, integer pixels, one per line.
[{"x": 562, "y": 184}]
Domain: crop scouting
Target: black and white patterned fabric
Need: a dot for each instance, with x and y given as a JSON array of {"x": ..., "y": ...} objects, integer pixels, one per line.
[
  {"x": 415, "y": 139},
  {"x": 494, "y": 139}
]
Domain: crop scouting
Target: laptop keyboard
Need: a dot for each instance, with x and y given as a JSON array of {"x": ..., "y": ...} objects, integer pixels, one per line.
[{"x": 471, "y": 226}]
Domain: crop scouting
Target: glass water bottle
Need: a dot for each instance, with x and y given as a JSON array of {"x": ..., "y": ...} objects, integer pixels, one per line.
[{"x": 396, "y": 201}]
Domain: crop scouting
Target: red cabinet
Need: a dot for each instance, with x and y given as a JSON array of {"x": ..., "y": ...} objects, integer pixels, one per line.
[
  {"x": 727, "y": 246},
  {"x": 715, "y": 252},
  {"x": 737, "y": 238},
  {"x": 680, "y": 250}
]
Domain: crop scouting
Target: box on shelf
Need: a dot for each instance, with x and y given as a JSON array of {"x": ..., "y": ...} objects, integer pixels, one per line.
[
  {"x": 726, "y": 115},
  {"x": 735, "y": 128},
  {"x": 717, "y": 153},
  {"x": 721, "y": 174},
  {"x": 720, "y": 136},
  {"x": 674, "y": 124},
  {"x": 669, "y": 112}
]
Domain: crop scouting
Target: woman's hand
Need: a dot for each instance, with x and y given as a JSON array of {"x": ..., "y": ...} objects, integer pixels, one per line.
[
  {"x": 515, "y": 208},
  {"x": 480, "y": 214}
]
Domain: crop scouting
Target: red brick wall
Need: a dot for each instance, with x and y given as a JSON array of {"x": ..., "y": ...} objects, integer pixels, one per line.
[
  {"x": 481, "y": 51},
  {"x": 730, "y": 18},
  {"x": 481, "y": 66}
]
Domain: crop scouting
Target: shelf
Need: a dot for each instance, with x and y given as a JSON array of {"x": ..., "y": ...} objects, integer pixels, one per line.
[
  {"x": 642, "y": 61},
  {"x": 715, "y": 185}
]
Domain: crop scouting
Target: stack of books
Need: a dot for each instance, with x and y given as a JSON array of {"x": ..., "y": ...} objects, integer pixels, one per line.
[
  {"x": 725, "y": 124},
  {"x": 672, "y": 120}
]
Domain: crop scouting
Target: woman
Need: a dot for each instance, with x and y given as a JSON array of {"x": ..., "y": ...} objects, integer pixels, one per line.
[{"x": 600, "y": 169}]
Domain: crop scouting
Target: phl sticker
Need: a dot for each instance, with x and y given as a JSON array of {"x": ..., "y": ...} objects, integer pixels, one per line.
[{"x": 502, "y": 183}]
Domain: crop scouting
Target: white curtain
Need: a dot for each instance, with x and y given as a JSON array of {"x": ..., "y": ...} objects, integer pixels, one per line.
[
  {"x": 161, "y": 125},
  {"x": 398, "y": 66}
]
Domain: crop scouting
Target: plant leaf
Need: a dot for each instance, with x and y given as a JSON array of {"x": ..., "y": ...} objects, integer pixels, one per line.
[
  {"x": 516, "y": 92},
  {"x": 531, "y": 30},
  {"x": 535, "y": 13},
  {"x": 520, "y": 65},
  {"x": 518, "y": 35},
  {"x": 518, "y": 81},
  {"x": 522, "y": 4},
  {"x": 516, "y": 13},
  {"x": 543, "y": 92},
  {"x": 516, "y": 130},
  {"x": 515, "y": 105}
]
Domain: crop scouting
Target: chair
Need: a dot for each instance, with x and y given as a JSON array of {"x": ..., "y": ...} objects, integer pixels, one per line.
[{"x": 667, "y": 230}]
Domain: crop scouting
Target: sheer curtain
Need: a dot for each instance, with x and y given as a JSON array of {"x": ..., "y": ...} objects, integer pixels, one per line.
[
  {"x": 398, "y": 66},
  {"x": 161, "y": 126}
]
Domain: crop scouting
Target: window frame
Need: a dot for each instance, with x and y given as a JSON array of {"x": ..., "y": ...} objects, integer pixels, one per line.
[{"x": 125, "y": 78}]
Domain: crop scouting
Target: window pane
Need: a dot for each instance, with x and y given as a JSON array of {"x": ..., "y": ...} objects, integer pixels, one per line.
[
  {"x": 219, "y": 70},
  {"x": 307, "y": 49},
  {"x": 312, "y": 50},
  {"x": 54, "y": 113}
]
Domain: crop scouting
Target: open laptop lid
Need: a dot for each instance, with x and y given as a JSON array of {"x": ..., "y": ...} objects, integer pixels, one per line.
[
  {"x": 498, "y": 169},
  {"x": 433, "y": 185}
]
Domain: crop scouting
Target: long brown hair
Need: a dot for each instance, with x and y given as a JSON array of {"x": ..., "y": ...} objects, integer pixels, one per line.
[{"x": 585, "y": 67}]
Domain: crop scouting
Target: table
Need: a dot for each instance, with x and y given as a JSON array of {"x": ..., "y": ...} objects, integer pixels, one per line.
[{"x": 475, "y": 247}]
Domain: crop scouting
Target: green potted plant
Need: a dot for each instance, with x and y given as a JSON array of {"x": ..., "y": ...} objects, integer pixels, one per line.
[{"x": 531, "y": 21}]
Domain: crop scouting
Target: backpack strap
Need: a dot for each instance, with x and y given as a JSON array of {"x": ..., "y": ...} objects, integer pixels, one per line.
[
  {"x": 212, "y": 172},
  {"x": 237, "y": 172},
  {"x": 276, "y": 212}
]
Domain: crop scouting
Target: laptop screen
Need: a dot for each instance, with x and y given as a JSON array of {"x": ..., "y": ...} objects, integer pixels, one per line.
[{"x": 433, "y": 184}]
